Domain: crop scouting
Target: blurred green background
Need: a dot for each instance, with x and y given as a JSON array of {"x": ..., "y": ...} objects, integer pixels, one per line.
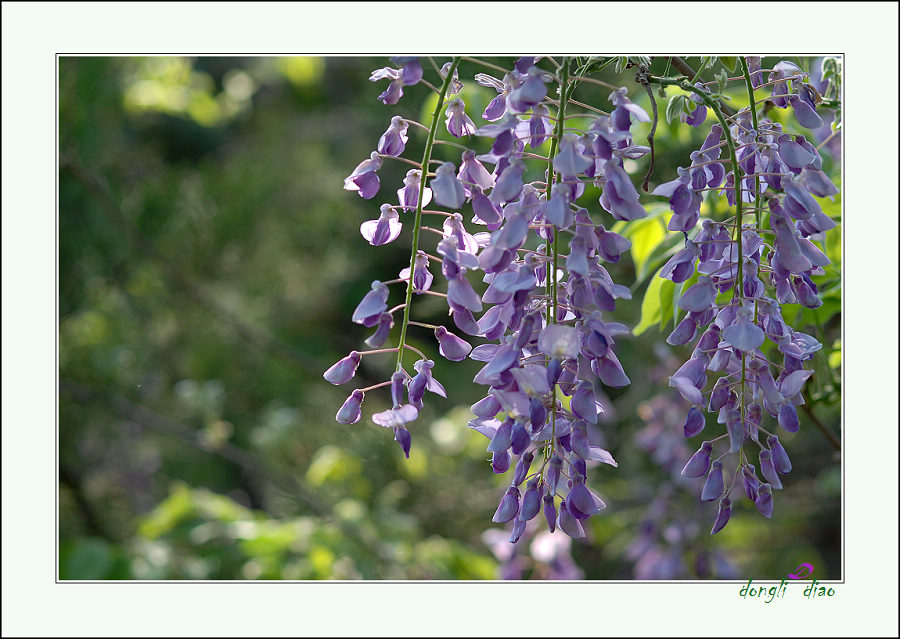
[{"x": 209, "y": 263}]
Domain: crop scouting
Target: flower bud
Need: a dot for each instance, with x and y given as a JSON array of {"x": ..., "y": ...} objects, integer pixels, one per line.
[
  {"x": 779, "y": 455},
  {"x": 722, "y": 516},
  {"x": 509, "y": 506},
  {"x": 549, "y": 512},
  {"x": 350, "y": 412},
  {"x": 343, "y": 370},
  {"x": 767, "y": 467},
  {"x": 694, "y": 423},
  {"x": 698, "y": 464},
  {"x": 531, "y": 502},
  {"x": 764, "y": 501},
  {"x": 715, "y": 483},
  {"x": 522, "y": 467}
]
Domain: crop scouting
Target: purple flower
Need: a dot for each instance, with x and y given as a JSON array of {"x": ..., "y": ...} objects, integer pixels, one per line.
[
  {"x": 698, "y": 297},
  {"x": 779, "y": 455},
  {"x": 754, "y": 64},
  {"x": 455, "y": 85},
  {"x": 539, "y": 126},
  {"x": 502, "y": 439},
  {"x": 524, "y": 463},
  {"x": 472, "y": 173},
  {"x": 343, "y": 370},
  {"x": 379, "y": 337},
  {"x": 531, "y": 501},
  {"x": 556, "y": 210},
  {"x": 485, "y": 211},
  {"x": 698, "y": 464},
  {"x": 625, "y": 108},
  {"x": 806, "y": 113},
  {"x": 458, "y": 123},
  {"x": 396, "y": 417},
  {"x": 610, "y": 246},
  {"x": 767, "y": 468},
  {"x": 398, "y": 386},
  {"x": 697, "y": 114},
  {"x": 619, "y": 196},
  {"x": 393, "y": 140},
  {"x": 509, "y": 183},
  {"x": 715, "y": 483},
  {"x": 531, "y": 379},
  {"x": 694, "y": 423},
  {"x": 350, "y": 412},
  {"x": 722, "y": 516},
  {"x": 423, "y": 381},
  {"x": 509, "y": 506},
  {"x": 368, "y": 311},
  {"x": 582, "y": 503},
  {"x": 423, "y": 278},
  {"x": 684, "y": 202},
  {"x": 383, "y": 230},
  {"x": 451, "y": 347},
  {"x": 500, "y": 461},
  {"x": 743, "y": 334},
  {"x": 402, "y": 437},
  {"x": 559, "y": 341},
  {"x": 568, "y": 523},
  {"x": 364, "y": 180},
  {"x": 408, "y": 196},
  {"x": 569, "y": 161},
  {"x": 549, "y": 511},
  {"x": 681, "y": 265},
  {"x": 764, "y": 501},
  {"x": 780, "y": 91},
  {"x": 394, "y": 92},
  {"x": 411, "y": 71},
  {"x": 751, "y": 482},
  {"x": 787, "y": 418},
  {"x": 529, "y": 93},
  {"x": 448, "y": 191},
  {"x": 683, "y": 333}
]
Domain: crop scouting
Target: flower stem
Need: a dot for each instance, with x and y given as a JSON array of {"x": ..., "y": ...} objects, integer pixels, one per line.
[{"x": 426, "y": 159}]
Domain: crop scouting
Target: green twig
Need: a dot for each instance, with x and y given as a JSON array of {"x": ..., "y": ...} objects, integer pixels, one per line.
[{"x": 426, "y": 159}]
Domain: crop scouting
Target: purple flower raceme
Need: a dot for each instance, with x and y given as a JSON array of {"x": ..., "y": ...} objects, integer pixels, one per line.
[
  {"x": 545, "y": 307},
  {"x": 725, "y": 276}
]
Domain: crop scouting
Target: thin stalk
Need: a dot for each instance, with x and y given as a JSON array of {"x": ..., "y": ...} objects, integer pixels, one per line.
[
  {"x": 751, "y": 94},
  {"x": 426, "y": 159}
]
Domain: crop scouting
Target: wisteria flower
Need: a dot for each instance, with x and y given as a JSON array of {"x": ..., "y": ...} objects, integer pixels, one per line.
[
  {"x": 364, "y": 178},
  {"x": 394, "y": 92},
  {"x": 458, "y": 123},
  {"x": 422, "y": 278},
  {"x": 393, "y": 140},
  {"x": 368, "y": 311},
  {"x": 383, "y": 230},
  {"x": 408, "y": 196},
  {"x": 448, "y": 191}
]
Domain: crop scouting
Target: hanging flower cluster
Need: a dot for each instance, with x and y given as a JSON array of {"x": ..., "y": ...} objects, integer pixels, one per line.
[
  {"x": 520, "y": 222},
  {"x": 742, "y": 273}
]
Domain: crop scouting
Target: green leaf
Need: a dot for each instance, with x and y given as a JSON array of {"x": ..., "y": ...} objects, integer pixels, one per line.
[
  {"x": 650, "y": 305},
  {"x": 729, "y": 62},
  {"x": 666, "y": 294},
  {"x": 833, "y": 245},
  {"x": 674, "y": 108},
  {"x": 645, "y": 236}
]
